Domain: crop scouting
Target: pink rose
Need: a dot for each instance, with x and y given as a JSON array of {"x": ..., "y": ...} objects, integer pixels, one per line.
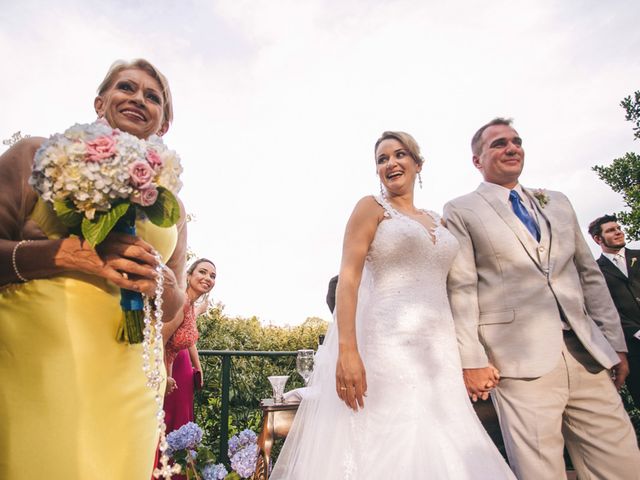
[
  {"x": 100, "y": 148},
  {"x": 141, "y": 174},
  {"x": 145, "y": 197},
  {"x": 154, "y": 159}
]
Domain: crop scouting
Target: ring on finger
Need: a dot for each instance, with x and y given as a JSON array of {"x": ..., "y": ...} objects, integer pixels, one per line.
[
  {"x": 124, "y": 275},
  {"x": 343, "y": 388}
]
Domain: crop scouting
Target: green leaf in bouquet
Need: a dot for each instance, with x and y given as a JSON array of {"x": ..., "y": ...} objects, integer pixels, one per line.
[
  {"x": 165, "y": 212},
  {"x": 96, "y": 230},
  {"x": 66, "y": 212}
]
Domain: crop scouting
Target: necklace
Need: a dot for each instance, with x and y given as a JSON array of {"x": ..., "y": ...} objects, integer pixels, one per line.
[{"x": 152, "y": 348}]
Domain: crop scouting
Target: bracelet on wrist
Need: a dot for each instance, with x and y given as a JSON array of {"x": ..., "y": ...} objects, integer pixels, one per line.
[{"x": 14, "y": 263}]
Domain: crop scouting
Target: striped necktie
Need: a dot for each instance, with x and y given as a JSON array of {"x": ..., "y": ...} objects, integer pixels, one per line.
[{"x": 620, "y": 262}]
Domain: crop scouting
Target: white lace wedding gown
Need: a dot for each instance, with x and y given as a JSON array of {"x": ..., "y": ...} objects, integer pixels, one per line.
[{"x": 417, "y": 421}]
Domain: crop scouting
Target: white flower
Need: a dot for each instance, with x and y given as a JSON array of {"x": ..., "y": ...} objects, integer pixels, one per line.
[
  {"x": 541, "y": 195},
  {"x": 61, "y": 171}
]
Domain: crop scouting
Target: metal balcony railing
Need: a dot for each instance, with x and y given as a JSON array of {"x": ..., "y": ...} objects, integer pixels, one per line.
[{"x": 226, "y": 357}]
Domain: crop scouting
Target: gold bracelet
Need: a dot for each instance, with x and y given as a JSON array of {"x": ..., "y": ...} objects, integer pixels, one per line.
[{"x": 13, "y": 260}]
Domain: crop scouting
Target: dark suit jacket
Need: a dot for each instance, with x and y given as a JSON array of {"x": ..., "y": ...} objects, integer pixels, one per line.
[{"x": 626, "y": 295}]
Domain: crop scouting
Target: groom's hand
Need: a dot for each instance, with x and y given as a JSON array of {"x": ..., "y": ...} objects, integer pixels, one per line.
[
  {"x": 620, "y": 370},
  {"x": 479, "y": 381}
]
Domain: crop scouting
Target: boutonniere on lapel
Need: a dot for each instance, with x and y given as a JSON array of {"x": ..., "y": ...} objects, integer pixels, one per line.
[
  {"x": 633, "y": 261},
  {"x": 540, "y": 194}
]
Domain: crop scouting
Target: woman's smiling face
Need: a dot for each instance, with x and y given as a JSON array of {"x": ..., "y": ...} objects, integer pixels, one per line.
[
  {"x": 395, "y": 166},
  {"x": 203, "y": 278},
  {"x": 134, "y": 104}
]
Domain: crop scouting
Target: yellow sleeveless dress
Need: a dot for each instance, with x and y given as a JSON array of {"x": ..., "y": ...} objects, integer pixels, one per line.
[{"x": 73, "y": 401}]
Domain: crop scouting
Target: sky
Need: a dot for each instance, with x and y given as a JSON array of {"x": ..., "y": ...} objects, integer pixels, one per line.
[{"x": 278, "y": 104}]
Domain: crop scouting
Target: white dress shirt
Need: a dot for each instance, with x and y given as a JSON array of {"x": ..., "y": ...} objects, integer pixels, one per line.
[{"x": 619, "y": 260}]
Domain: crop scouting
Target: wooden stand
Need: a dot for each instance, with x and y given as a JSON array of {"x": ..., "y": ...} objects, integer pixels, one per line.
[{"x": 276, "y": 422}]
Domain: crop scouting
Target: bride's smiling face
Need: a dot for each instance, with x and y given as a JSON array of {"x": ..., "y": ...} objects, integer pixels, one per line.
[
  {"x": 134, "y": 104},
  {"x": 395, "y": 166}
]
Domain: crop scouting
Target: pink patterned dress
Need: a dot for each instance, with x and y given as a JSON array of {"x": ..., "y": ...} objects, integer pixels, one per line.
[{"x": 178, "y": 405}]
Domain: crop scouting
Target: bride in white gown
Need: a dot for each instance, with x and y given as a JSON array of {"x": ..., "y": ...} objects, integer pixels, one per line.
[{"x": 387, "y": 398}]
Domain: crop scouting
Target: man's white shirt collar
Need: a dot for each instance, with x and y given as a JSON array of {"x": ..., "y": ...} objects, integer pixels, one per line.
[
  {"x": 611, "y": 256},
  {"x": 502, "y": 193}
]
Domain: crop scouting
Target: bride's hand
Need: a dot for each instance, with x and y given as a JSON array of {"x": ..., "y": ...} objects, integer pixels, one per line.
[{"x": 351, "y": 379}]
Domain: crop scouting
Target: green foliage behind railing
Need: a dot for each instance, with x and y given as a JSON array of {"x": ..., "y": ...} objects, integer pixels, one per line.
[{"x": 249, "y": 374}]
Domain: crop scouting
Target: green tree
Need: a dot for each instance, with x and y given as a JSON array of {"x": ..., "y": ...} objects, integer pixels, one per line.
[{"x": 623, "y": 175}]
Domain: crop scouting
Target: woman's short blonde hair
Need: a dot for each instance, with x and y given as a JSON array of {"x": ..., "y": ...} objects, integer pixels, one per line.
[
  {"x": 407, "y": 142},
  {"x": 142, "y": 64}
]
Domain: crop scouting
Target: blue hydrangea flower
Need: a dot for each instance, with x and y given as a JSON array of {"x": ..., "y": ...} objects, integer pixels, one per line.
[
  {"x": 214, "y": 472},
  {"x": 187, "y": 436},
  {"x": 243, "y": 439},
  {"x": 244, "y": 461},
  {"x": 247, "y": 437},
  {"x": 234, "y": 445}
]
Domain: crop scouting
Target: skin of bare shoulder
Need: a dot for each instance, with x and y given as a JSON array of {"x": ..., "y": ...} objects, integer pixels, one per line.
[{"x": 368, "y": 206}]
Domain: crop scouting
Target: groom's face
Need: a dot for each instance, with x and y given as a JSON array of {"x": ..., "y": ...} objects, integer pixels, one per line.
[{"x": 501, "y": 157}]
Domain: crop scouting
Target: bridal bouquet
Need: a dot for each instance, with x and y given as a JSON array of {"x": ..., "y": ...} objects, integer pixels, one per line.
[{"x": 98, "y": 179}]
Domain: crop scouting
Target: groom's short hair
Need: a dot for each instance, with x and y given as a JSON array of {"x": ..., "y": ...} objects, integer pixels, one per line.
[
  {"x": 476, "y": 140},
  {"x": 595, "y": 227}
]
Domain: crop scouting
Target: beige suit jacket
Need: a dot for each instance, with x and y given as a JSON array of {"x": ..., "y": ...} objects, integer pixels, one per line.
[{"x": 507, "y": 290}]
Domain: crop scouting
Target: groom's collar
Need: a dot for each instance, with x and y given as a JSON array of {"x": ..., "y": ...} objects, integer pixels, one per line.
[{"x": 501, "y": 193}]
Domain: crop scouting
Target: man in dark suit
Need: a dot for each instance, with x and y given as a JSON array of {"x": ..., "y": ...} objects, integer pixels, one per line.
[
  {"x": 331, "y": 293},
  {"x": 621, "y": 269}
]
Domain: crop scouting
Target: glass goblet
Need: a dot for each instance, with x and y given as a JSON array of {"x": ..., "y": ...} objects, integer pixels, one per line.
[
  {"x": 304, "y": 364},
  {"x": 277, "y": 383}
]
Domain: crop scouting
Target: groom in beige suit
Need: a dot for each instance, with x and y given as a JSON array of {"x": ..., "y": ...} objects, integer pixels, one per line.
[{"x": 529, "y": 300}]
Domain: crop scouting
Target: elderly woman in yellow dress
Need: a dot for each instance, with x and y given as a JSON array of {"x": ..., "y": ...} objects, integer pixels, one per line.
[{"x": 73, "y": 401}]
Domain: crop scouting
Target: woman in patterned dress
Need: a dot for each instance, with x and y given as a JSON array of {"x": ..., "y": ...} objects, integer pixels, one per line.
[{"x": 181, "y": 353}]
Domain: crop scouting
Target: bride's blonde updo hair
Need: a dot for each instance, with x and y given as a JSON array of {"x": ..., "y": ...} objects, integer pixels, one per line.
[
  {"x": 146, "y": 66},
  {"x": 407, "y": 142}
]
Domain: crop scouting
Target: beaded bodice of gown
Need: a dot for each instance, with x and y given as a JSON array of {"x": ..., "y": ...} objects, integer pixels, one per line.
[
  {"x": 185, "y": 335},
  {"x": 408, "y": 305}
]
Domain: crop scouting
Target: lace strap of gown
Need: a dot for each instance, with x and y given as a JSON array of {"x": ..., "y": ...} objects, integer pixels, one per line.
[{"x": 389, "y": 211}]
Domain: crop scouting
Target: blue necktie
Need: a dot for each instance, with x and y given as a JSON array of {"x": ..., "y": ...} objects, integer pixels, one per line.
[{"x": 523, "y": 214}]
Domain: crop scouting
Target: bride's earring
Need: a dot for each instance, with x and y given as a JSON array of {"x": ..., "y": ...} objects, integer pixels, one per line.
[
  {"x": 420, "y": 180},
  {"x": 381, "y": 190}
]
